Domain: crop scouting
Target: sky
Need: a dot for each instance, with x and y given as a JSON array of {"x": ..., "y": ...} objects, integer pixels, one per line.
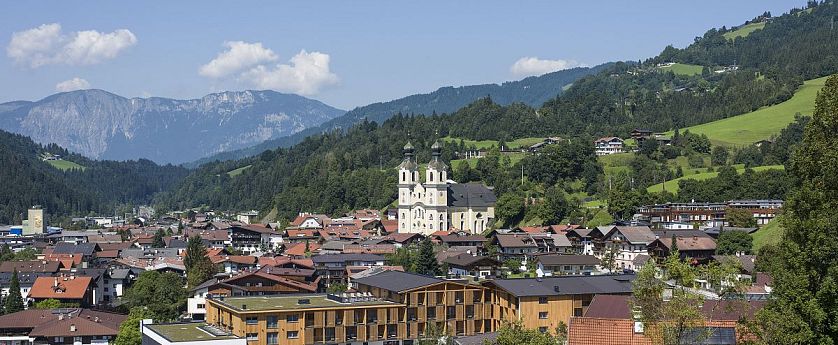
[{"x": 344, "y": 53}]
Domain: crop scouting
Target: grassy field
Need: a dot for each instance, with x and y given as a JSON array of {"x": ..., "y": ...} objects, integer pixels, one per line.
[
  {"x": 65, "y": 165},
  {"x": 683, "y": 69},
  {"x": 768, "y": 234},
  {"x": 744, "y": 30},
  {"x": 761, "y": 124},
  {"x": 672, "y": 185},
  {"x": 237, "y": 172},
  {"x": 485, "y": 144}
]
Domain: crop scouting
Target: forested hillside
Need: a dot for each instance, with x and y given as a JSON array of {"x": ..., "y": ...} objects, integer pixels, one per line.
[
  {"x": 339, "y": 171},
  {"x": 532, "y": 91},
  {"x": 101, "y": 186}
]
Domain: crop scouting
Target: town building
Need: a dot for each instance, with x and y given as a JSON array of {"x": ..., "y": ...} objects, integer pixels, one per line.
[
  {"x": 437, "y": 203},
  {"x": 59, "y": 326},
  {"x": 560, "y": 265},
  {"x": 608, "y": 146},
  {"x": 707, "y": 214}
]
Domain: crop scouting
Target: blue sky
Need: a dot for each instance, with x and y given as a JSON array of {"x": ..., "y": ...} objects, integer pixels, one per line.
[{"x": 344, "y": 53}]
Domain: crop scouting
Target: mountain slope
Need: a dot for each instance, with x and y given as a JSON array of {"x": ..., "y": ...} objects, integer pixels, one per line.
[
  {"x": 99, "y": 124},
  {"x": 532, "y": 91},
  {"x": 101, "y": 187}
]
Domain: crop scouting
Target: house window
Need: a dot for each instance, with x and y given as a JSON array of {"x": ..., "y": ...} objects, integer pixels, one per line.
[
  {"x": 292, "y": 334},
  {"x": 542, "y": 300},
  {"x": 273, "y": 321},
  {"x": 452, "y": 312},
  {"x": 252, "y": 336},
  {"x": 431, "y": 313},
  {"x": 542, "y": 315},
  {"x": 470, "y": 311},
  {"x": 201, "y": 306},
  {"x": 542, "y": 329},
  {"x": 252, "y": 320},
  {"x": 273, "y": 338},
  {"x": 292, "y": 318},
  {"x": 577, "y": 311}
]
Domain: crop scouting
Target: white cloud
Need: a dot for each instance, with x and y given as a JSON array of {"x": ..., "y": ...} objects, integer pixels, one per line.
[
  {"x": 527, "y": 66},
  {"x": 72, "y": 85},
  {"x": 238, "y": 56},
  {"x": 46, "y": 45},
  {"x": 305, "y": 73}
]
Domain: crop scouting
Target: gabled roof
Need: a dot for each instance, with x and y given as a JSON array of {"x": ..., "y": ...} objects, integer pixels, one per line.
[
  {"x": 46, "y": 323},
  {"x": 566, "y": 285},
  {"x": 30, "y": 266},
  {"x": 397, "y": 281},
  {"x": 307, "y": 287},
  {"x": 688, "y": 243},
  {"x": 465, "y": 259},
  {"x": 70, "y": 248},
  {"x": 515, "y": 241},
  {"x": 60, "y": 287},
  {"x": 464, "y": 238},
  {"x": 470, "y": 195},
  {"x": 634, "y": 234}
]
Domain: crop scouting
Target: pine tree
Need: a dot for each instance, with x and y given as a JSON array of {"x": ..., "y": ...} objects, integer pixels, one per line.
[
  {"x": 199, "y": 267},
  {"x": 158, "y": 239},
  {"x": 426, "y": 260},
  {"x": 14, "y": 301},
  {"x": 804, "y": 307}
]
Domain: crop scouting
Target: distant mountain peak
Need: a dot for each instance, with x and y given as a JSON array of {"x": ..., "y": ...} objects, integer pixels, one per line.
[{"x": 101, "y": 124}]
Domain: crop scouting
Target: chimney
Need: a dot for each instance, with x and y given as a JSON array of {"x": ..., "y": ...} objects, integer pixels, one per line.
[
  {"x": 55, "y": 283},
  {"x": 72, "y": 328}
]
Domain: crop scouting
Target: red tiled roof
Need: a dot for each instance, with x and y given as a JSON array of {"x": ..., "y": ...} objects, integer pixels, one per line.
[
  {"x": 45, "y": 323},
  {"x": 299, "y": 249},
  {"x": 60, "y": 287}
]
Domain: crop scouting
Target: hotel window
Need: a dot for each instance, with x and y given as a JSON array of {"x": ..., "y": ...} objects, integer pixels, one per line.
[
  {"x": 542, "y": 300},
  {"x": 542, "y": 315},
  {"x": 542, "y": 329},
  {"x": 452, "y": 312},
  {"x": 372, "y": 316},
  {"x": 252, "y": 336},
  {"x": 252, "y": 320},
  {"x": 470, "y": 311},
  {"x": 577, "y": 311},
  {"x": 273, "y": 338},
  {"x": 273, "y": 321},
  {"x": 351, "y": 333},
  {"x": 339, "y": 317},
  {"x": 459, "y": 296},
  {"x": 476, "y": 296},
  {"x": 431, "y": 313},
  {"x": 292, "y": 318},
  {"x": 330, "y": 334},
  {"x": 292, "y": 334}
]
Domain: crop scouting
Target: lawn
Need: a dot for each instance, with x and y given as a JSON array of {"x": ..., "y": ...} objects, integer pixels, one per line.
[
  {"x": 672, "y": 185},
  {"x": 761, "y": 124},
  {"x": 744, "y": 30},
  {"x": 683, "y": 69},
  {"x": 65, "y": 165},
  {"x": 770, "y": 233},
  {"x": 237, "y": 172}
]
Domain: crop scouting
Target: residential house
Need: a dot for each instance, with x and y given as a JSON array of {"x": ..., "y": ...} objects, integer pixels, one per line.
[
  {"x": 248, "y": 239},
  {"x": 71, "y": 290},
  {"x": 628, "y": 242},
  {"x": 470, "y": 265},
  {"x": 560, "y": 264},
  {"x": 59, "y": 326},
  {"x": 608, "y": 145},
  {"x": 693, "y": 245},
  {"x": 332, "y": 268}
]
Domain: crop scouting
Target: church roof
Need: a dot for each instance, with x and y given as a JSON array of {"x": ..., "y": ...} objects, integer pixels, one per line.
[
  {"x": 437, "y": 164},
  {"x": 409, "y": 164},
  {"x": 470, "y": 195}
]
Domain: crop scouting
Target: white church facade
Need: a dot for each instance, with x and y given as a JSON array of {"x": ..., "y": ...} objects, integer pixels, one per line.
[{"x": 438, "y": 203}]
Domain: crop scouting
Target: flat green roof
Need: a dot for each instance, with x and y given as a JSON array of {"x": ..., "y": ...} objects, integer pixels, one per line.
[
  {"x": 177, "y": 332},
  {"x": 291, "y": 302}
]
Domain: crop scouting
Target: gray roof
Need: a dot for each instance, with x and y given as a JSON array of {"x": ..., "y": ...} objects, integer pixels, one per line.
[
  {"x": 477, "y": 339},
  {"x": 148, "y": 253},
  {"x": 70, "y": 248},
  {"x": 397, "y": 281},
  {"x": 119, "y": 273},
  {"x": 334, "y": 245},
  {"x": 470, "y": 195},
  {"x": 346, "y": 257},
  {"x": 26, "y": 278},
  {"x": 567, "y": 285},
  {"x": 636, "y": 234},
  {"x": 409, "y": 164}
]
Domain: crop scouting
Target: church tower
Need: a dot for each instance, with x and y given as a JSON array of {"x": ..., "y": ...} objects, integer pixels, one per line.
[
  {"x": 436, "y": 191},
  {"x": 408, "y": 178}
]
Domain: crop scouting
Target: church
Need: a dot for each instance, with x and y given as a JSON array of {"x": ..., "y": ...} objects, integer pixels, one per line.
[{"x": 439, "y": 203}]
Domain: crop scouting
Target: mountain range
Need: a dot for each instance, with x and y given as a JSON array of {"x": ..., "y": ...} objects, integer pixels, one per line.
[
  {"x": 101, "y": 125},
  {"x": 532, "y": 91}
]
